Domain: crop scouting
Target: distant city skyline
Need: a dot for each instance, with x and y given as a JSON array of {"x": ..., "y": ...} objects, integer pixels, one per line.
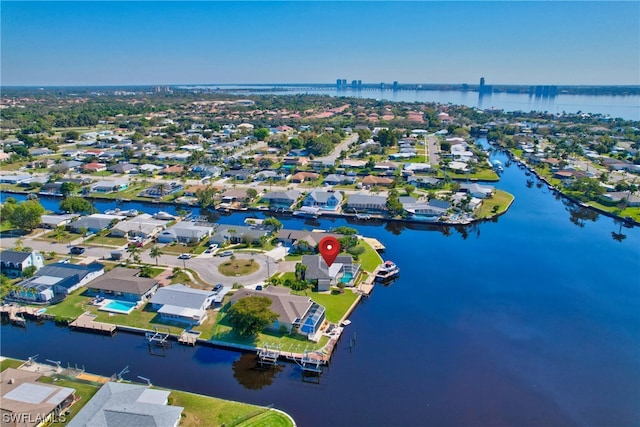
[{"x": 169, "y": 43}]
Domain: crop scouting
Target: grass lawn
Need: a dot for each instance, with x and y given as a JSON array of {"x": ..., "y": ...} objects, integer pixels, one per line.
[
  {"x": 5, "y": 226},
  {"x": 267, "y": 419},
  {"x": 10, "y": 363},
  {"x": 480, "y": 175},
  {"x": 84, "y": 391},
  {"x": 238, "y": 267},
  {"x": 501, "y": 199},
  {"x": 288, "y": 275},
  {"x": 370, "y": 259},
  {"x": 204, "y": 410},
  {"x": 633, "y": 212},
  {"x": 59, "y": 236},
  {"x": 223, "y": 331},
  {"x": 293, "y": 258},
  {"x": 336, "y": 305},
  {"x": 107, "y": 241}
]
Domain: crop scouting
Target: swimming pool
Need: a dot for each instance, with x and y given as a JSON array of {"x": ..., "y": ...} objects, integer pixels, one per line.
[
  {"x": 346, "y": 278},
  {"x": 120, "y": 307}
]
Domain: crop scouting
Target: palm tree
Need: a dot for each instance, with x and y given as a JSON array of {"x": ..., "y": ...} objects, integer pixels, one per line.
[{"x": 155, "y": 253}]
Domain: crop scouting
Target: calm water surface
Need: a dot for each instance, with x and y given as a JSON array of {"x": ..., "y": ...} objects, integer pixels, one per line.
[
  {"x": 528, "y": 321},
  {"x": 626, "y": 107}
]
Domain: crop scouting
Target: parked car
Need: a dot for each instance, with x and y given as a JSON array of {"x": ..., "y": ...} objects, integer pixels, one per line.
[
  {"x": 217, "y": 288},
  {"x": 184, "y": 256},
  {"x": 226, "y": 253},
  {"x": 76, "y": 250}
]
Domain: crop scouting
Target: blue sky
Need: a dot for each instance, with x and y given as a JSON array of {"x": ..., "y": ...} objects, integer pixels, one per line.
[{"x": 507, "y": 42}]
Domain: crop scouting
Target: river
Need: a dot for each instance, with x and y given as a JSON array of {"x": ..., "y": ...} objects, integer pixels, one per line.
[
  {"x": 622, "y": 106},
  {"x": 531, "y": 320}
]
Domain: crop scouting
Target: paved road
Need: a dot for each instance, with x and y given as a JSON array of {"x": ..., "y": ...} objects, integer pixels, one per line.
[
  {"x": 343, "y": 146},
  {"x": 433, "y": 148}
]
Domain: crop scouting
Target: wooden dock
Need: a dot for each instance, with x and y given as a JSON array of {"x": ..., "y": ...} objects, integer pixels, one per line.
[
  {"x": 189, "y": 337},
  {"x": 87, "y": 321},
  {"x": 17, "y": 313}
]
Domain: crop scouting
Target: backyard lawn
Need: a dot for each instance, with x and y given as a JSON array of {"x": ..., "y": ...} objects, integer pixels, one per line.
[
  {"x": 203, "y": 410},
  {"x": 10, "y": 363},
  {"x": 501, "y": 199},
  {"x": 336, "y": 305},
  {"x": 223, "y": 331},
  {"x": 370, "y": 259}
]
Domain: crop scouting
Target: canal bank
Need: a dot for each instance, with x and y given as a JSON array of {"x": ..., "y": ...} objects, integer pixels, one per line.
[
  {"x": 198, "y": 410},
  {"x": 508, "y": 322}
]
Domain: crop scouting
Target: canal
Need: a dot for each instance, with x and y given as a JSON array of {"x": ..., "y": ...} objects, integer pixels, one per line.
[{"x": 529, "y": 320}]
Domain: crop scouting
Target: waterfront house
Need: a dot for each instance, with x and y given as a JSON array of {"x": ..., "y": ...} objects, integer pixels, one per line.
[
  {"x": 143, "y": 226},
  {"x": 53, "y": 282},
  {"x": 324, "y": 200},
  {"x": 125, "y": 404},
  {"x": 31, "y": 402},
  {"x": 95, "y": 223},
  {"x": 367, "y": 203},
  {"x": 343, "y": 269},
  {"x": 13, "y": 263},
  {"x": 477, "y": 190},
  {"x": 295, "y": 313},
  {"x": 104, "y": 187},
  {"x": 237, "y": 234},
  {"x": 54, "y": 221},
  {"x": 282, "y": 199},
  {"x": 184, "y": 232},
  {"x": 123, "y": 284},
  {"x": 51, "y": 188},
  {"x": 234, "y": 195},
  {"x": 183, "y": 304}
]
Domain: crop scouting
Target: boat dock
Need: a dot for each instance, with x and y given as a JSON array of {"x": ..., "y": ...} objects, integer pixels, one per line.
[
  {"x": 189, "y": 337},
  {"x": 87, "y": 322},
  {"x": 17, "y": 313},
  {"x": 375, "y": 244}
]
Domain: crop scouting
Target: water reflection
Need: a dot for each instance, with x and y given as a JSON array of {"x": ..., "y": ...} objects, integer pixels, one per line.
[
  {"x": 619, "y": 236},
  {"x": 250, "y": 375},
  {"x": 578, "y": 214}
]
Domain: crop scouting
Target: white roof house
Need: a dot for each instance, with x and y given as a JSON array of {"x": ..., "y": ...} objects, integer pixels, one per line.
[{"x": 182, "y": 303}]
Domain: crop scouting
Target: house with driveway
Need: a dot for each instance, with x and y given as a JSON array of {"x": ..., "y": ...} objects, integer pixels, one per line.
[
  {"x": 295, "y": 313},
  {"x": 94, "y": 223},
  {"x": 325, "y": 200},
  {"x": 143, "y": 226},
  {"x": 302, "y": 240},
  {"x": 238, "y": 234},
  {"x": 180, "y": 303},
  {"x": 13, "y": 263},
  {"x": 185, "y": 232}
]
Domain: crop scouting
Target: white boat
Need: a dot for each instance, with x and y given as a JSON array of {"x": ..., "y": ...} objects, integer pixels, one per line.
[
  {"x": 163, "y": 215},
  {"x": 389, "y": 270}
]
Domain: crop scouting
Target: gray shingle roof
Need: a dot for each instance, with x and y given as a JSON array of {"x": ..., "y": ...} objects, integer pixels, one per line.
[
  {"x": 122, "y": 279},
  {"x": 14, "y": 256},
  {"x": 118, "y": 404}
]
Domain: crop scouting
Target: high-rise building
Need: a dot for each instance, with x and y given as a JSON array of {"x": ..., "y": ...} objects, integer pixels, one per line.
[{"x": 482, "y": 88}]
